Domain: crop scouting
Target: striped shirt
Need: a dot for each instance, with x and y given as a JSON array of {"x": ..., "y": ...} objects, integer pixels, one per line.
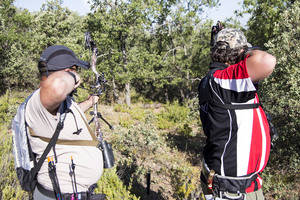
[{"x": 238, "y": 141}]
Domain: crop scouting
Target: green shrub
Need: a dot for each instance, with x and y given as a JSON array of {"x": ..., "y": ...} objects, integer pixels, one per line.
[
  {"x": 280, "y": 185},
  {"x": 185, "y": 130},
  {"x": 280, "y": 96},
  {"x": 126, "y": 121},
  {"x": 185, "y": 180},
  {"x": 172, "y": 115},
  {"x": 113, "y": 187},
  {"x": 137, "y": 113},
  {"x": 9, "y": 186},
  {"x": 4, "y": 107},
  {"x": 281, "y": 91},
  {"x": 121, "y": 108},
  {"x": 141, "y": 137},
  {"x": 163, "y": 123}
]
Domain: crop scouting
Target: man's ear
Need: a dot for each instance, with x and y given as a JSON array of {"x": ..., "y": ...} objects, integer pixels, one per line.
[{"x": 43, "y": 78}]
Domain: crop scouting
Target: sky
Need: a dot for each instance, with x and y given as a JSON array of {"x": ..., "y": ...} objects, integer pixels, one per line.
[{"x": 226, "y": 8}]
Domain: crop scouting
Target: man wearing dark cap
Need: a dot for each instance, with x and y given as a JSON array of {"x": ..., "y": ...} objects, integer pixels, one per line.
[
  {"x": 76, "y": 143},
  {"x": 238, "y": 139}
]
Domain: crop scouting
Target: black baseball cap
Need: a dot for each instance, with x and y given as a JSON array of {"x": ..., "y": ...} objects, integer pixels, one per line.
[{"x": 60, "y": 57}]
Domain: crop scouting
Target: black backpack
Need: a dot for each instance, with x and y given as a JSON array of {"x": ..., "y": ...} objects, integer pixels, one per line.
[{"x": 205, "y": 99}]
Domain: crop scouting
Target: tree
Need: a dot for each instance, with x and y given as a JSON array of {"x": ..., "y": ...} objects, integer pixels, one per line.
[
  {"x": 177, "y": 42},
  {"x": 24, "y": 36},
  {"x": 118, "y": 29},
  {"x": 264, "y": 14},
  {"x": 281, "y": 91},
  {"x": 54, "y": 25},
  {"x": 15, "y": 36},
  {"x": 150, "y": 45}
]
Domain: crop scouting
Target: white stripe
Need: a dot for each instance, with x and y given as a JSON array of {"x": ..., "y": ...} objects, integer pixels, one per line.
[
  {"x": 260, "y": 180},
  {"x": 244, "y": 136},
  {"x": 263, "y": 142},
  {"x": 238, "y": 85}
]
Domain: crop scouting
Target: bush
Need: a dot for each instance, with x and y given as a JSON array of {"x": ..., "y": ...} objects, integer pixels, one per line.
[
  {"x": 113, "y": 187},
  {"x": 9, "y": 186},
  {"x": 281, "y": 92},
  {"x": 280, "y": 95},
  {"x": 172, "y": 115},
  {"x": 185, "y": 180}
]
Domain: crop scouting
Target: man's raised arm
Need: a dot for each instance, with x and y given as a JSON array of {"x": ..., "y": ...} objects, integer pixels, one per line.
[{"x": 260, "y": 64}]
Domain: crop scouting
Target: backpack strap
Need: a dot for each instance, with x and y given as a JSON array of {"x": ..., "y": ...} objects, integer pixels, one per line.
[
  {"x": 51, "y": 143},
  {"x": 31, "y": 154},
  {"x": 65, "y": 142},
  {"x": 235, "y": 106}
]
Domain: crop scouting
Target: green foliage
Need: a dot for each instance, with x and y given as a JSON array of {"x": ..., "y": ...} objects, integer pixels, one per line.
[
  {"x": 277, "y": 183},
  {"x": 9, "y": 187},
  {"x": 4, "y": 105},
  {"x": 14, "y": 36},
  {"x": 111, "y": 185},
  {"x": 159, "y": 48},
  {"x": 8, "y": 107},
  {"x": 281, "y": 96},
  {"x": 185, "y": 180},
  {"x": 264, "y": 14},
  {"x": 24, "y": 36},
  {"x": 121, "y": 108},
  {"x": 153, "y": 46},
  {"x": 171, "y": 115},
  {"x": 281, "y": 91},
  {"x": 145, "y": 149},
  {"x": 141, "y": 137},
  {"x": 126, "y": 121},
  {"x": 185, "y": 130}
]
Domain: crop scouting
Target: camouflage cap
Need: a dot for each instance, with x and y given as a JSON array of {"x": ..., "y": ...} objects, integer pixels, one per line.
[{"x": 234, "y": 37}]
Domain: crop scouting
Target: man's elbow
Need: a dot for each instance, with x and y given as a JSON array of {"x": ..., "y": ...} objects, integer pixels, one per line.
[{"x": 270, "y": 62}]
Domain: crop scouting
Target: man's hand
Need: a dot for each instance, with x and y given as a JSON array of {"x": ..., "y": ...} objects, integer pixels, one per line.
[{"x": 91, "y": 100}]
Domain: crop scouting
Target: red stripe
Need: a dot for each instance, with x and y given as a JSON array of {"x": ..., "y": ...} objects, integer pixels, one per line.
[
  {"x": 236, "y": 71},
  {"x": 255, "y": 149},
  {"x": 256, "y": 145}
]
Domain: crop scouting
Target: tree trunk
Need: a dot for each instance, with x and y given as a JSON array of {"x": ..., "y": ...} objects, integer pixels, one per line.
[
  {"x": 167, "y": 95},
  {"x": 127, "y": 94},
  {"x": 124, "y": 55},
  {"x": 115, "y": 93},
  {"x": 182, "y": 95}
]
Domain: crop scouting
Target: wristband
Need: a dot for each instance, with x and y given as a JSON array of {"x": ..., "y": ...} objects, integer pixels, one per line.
[{"x": 73, "y": 75}]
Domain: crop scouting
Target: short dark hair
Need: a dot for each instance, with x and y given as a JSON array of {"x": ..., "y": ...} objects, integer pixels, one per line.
[
  {"x": 221, "y": 52},
  {"x": 43, "y": 70},
  {"x": 42, "y": 66}
]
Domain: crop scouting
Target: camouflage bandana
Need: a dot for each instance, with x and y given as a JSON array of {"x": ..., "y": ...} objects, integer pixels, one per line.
[{"x": 235, "y": 38}]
